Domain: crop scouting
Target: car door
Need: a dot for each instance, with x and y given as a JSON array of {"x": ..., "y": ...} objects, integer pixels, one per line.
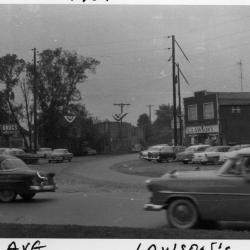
[{"x": 232, "y": 197}]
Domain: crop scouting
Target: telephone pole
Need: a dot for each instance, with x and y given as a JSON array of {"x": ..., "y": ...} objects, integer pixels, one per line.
[
  {"x": 121, "y": 115},
  {"x": 179, "y": 104},
  {"x": 241, "y": 78},
  {"x": 174, "y": 90},
  {"x": 35, "y": 101},
  {"x": 149, "y": 111}
]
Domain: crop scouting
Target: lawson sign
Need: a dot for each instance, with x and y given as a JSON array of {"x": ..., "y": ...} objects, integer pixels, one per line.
[{"x": 205, "y": 129}]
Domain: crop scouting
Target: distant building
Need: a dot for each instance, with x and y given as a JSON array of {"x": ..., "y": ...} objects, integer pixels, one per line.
[
  {"x": 217, "y": 118},
  {"x": 119, "y": 139}
]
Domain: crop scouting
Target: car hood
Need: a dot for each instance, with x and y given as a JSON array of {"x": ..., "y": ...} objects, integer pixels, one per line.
[{"x": 185, "y": 181}]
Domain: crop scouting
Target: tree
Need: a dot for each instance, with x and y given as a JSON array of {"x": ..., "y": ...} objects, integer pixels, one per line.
[
  {"x": 58, "y": 73},
  {"x": 11, "y": 69},
  {"x": 145, "y": 123},
  {"x": 161, "y": 127}
]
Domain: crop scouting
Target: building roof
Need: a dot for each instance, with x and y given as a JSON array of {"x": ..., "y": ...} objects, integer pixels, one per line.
[
  {"x": 227, "y": 98},
  {"x": 234, "y": 98}
]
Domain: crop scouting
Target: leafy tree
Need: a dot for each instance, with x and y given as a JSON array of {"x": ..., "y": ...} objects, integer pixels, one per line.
[
  {"x": 11, "y": 69},
  {"x": 162, "y": 132},
  {"x": 58, "y": 73},
  {"x": 145, "y": 123}
]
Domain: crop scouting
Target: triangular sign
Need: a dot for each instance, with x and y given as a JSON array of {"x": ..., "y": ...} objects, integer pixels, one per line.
[{"x": 70, "y": 118}]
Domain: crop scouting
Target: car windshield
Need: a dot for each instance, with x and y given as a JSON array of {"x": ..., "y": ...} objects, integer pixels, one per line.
[
  {"x": 60, "y": 150},
  {"x": 155, "y": 148},
  {"x": 13, "y": 164},
  {"x": 16, "y": 152},
  {"x": 231, "y": 167},
  {"x": 211, "y": 149}
]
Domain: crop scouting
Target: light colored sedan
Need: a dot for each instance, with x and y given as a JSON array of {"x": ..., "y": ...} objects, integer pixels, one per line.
[
  {"x": 44, "y": 152},
  {"x": 231, "y": 152},
  {"x": 210, "y": 155},
  {"x": 59, "y": 155}
]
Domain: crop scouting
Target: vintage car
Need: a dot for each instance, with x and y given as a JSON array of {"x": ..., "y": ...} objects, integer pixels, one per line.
[
  {"x": 16, "y": 178},
  {"x": 28, "y": 158},
  {"x": 231, "y": 151},
  {"x": 160, "y": 153},
  {"x": 144, "y": 153},
  {"x": 187, "y": 155},
  {"x": 194, "y": 196},
  {"x": 210, "y": 155},
  {"x": 89, "y": 151},
  {"x": 44, "y": 152},
  {"x": 59, "y": 155}
]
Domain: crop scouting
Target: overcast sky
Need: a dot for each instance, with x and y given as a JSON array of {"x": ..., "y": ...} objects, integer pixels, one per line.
[{"x": 131, "y": 44}]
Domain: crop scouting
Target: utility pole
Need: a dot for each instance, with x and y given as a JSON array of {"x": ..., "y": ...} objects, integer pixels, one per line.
[
  {"x": 174, "y": 90},
  {"x": 121, "y": 115},
  {"x": 149, "y": 111},
  {"x": 179, "y": 98},
  {"x": 35, "y": 101},
  {"x": 241, "y": 78}
]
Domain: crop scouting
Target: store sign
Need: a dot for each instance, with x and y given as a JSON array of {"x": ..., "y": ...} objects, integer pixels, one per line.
[
  {"x": 205, "y": 129},
  {"x": 8, "y": 128}
]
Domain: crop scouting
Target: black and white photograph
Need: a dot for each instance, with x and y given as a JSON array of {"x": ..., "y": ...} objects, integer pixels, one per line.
[{"x": 125, "y": 121}]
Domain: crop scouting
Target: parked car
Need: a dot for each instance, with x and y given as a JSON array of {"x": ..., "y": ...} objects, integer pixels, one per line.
[
  {"x": 136, "y": 148},
  {"x": 59, "y": 155},
  {"x": 194, "y": 196},
  {"x": 144, "y": 153},
  {"x": 16, "y": 178},
  {"x": 210, "y": 155},
  {"x": 187, "y": 155},
  {"x": 28, "y": 158},
  {"x": 44, "y": 152},
  {"x": 232, "y": 151},
  {"x": 89, "y": 151},
  {"x": 160, "y": 153}
]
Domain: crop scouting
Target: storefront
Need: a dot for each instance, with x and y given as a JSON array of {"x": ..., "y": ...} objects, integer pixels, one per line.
[{"x": 207, "y": 134}]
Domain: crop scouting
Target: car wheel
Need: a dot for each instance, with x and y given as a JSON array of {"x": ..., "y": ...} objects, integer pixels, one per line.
[
  {"x": 27, "y": 197},
  {"x": 182, "y": 214},
  {"x": 159, "y": 160},
  {"x": 49, "y": 161},
  {"x": 203, "y": 163},
  {"x": 7, "y": 195},
  {"x": 69, "y": 159},
  {"x": 185, "y": 162}
]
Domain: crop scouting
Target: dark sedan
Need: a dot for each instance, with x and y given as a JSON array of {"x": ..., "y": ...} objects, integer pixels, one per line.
[
  {"x": 193, "y": 196},
  {"x": 28, "y": 158},
  {"x": 16, "y": 178}
]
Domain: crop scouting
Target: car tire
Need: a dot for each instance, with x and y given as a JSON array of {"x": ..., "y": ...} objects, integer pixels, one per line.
[
  {"x": 49, "y": 161},
  {"x": 159, "y": 160},
  {"x": 27, "y": 197},
  {"x": 7, "y": 195},
  {"x": 182, "y": 214},
  {"x": 203, "y": 163},
  {"x": 69, "y": 159},
  {"x": 185, "y": 162}
]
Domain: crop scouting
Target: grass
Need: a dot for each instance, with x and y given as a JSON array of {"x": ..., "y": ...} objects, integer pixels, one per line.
[{"x": 155, "y": 169}]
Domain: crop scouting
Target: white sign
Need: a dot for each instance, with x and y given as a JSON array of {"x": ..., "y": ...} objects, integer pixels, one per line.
[{"x": 205, "y": 129}]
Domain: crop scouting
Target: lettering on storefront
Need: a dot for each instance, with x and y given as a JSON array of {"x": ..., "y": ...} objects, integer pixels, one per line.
[
  {"x": 205, "y": 129},
  {"x": 8, "y": 128}
]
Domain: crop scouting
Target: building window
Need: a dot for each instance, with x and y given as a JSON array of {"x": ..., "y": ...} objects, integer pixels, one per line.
[
  {"x": 208, "y": 110},
  {"x": 235, "y": 109},
  {"x": 192, "y": 112}
]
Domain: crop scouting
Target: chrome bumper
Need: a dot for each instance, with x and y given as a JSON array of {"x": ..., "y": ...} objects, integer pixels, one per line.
[
  {"x": 153, "y": 207},
  {"x": 43, "y": 188}
]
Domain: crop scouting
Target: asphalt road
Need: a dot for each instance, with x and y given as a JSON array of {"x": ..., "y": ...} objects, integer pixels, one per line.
[{"x": 89, "y": 194}]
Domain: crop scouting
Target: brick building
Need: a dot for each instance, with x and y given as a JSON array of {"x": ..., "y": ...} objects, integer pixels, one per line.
[{"x": 217, "y": 117}]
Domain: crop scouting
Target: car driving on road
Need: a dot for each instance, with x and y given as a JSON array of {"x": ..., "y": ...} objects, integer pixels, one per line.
[
  {"x": 59, "y": 155},
  {"x": 44, "y": 152},
  {"x": 16, "y": 178},
  {"x": 193, "y": 196}
]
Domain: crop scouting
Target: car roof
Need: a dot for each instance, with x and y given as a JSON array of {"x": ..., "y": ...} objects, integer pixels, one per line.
[
  {"x": 243, "y": 151},
  {"x": 199, "y": 145},
  {"x": 4, "y": 157}
]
